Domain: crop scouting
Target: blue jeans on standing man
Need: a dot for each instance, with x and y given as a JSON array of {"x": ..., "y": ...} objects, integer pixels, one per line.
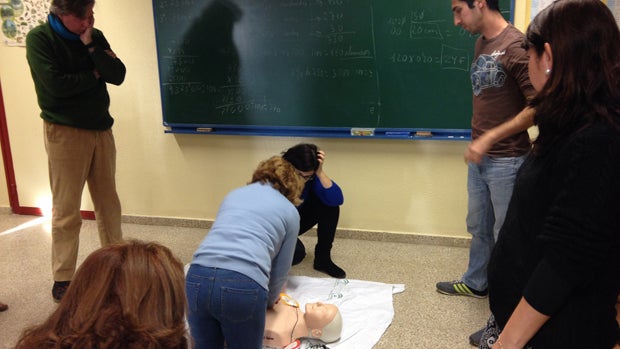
[
  {"x": 489, "y": 189},
  {"x": 225, "y": 306}
]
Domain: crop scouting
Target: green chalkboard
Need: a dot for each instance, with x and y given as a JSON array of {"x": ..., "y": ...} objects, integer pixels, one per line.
[{"x": 313, "y": 64}]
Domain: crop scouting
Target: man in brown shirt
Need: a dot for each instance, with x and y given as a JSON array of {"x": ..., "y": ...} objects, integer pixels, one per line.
[{"x": 501, "y": 87}]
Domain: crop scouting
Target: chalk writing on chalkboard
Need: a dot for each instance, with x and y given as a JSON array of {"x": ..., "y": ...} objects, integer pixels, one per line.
[{"x": 313, "y": 64}]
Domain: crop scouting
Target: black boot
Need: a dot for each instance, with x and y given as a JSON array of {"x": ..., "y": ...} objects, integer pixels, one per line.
[
  {"x": 323, "y": 262},
  {"x": 300, "y": 252}
]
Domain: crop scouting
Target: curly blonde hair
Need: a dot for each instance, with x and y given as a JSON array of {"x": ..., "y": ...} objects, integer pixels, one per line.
[
  {"x": 124, "y": 296},
  {"x": 282, "y": 176}
]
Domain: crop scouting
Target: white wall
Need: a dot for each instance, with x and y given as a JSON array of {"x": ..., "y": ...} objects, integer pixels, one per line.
[{"x": 415, "y": 187}]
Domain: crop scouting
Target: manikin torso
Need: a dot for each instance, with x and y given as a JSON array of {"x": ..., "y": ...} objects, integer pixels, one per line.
[{"x": 284, "y": 324}]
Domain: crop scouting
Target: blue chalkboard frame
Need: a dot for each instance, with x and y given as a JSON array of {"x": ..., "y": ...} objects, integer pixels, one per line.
[{"x": 323, "y": 132}]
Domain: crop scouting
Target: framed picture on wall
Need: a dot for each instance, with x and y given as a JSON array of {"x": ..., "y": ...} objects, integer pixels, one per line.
[{"x": 18, "y": 17}]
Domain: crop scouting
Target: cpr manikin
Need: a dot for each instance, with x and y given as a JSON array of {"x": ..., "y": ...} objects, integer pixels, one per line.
[{"x": 285, "y": 322}]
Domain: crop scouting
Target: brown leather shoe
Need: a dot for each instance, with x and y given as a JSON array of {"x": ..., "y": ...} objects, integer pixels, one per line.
[{"x": 3, "y": 306}]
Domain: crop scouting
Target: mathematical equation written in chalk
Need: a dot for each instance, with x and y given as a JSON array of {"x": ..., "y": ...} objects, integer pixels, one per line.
[{"x": 329, "y": 63}]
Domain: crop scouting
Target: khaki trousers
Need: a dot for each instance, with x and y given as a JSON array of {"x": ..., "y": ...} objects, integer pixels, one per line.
[{"x": 75, "y": 157}]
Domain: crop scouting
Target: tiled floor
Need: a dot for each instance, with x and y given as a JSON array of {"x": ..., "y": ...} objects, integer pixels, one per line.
[{"x": 424, "y": 319}]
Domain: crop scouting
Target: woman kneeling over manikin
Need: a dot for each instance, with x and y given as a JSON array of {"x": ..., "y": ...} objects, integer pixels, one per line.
[{"x": 285, "y": 322}]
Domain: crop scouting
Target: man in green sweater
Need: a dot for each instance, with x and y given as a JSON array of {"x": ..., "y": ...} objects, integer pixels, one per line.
[{"x": 71, "y": 62}]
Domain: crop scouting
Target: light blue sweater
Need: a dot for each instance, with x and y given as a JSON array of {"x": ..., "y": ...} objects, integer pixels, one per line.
[{"x": 254, "y": 234}]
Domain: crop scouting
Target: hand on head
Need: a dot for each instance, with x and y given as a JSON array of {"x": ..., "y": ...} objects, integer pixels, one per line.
[{"x": 320, "y": 157}]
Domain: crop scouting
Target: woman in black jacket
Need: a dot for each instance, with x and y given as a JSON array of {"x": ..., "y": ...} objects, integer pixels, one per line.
[{"x": 554, "y": 275}]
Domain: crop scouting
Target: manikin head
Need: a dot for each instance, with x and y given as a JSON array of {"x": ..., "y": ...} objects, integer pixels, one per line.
[{"x": 323, "y": 321}]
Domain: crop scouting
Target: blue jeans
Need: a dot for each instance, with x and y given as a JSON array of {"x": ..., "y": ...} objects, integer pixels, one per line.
[
  {"x": 225, "y": 306},
  {"x": 489, "y": 188}
]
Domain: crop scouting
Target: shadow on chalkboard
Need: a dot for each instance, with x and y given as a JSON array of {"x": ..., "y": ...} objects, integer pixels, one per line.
[
  {"x": 302, "y": 68},
  {"x": 209, "y": 40}
]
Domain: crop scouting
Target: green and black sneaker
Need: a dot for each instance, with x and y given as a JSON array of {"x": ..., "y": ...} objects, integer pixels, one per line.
[{"x": 458, "y": 288}]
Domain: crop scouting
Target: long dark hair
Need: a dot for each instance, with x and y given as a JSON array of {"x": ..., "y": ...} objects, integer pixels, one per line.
[
  {"x": 303, "y": 157},
  {"x": 584, "y": 84}
]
